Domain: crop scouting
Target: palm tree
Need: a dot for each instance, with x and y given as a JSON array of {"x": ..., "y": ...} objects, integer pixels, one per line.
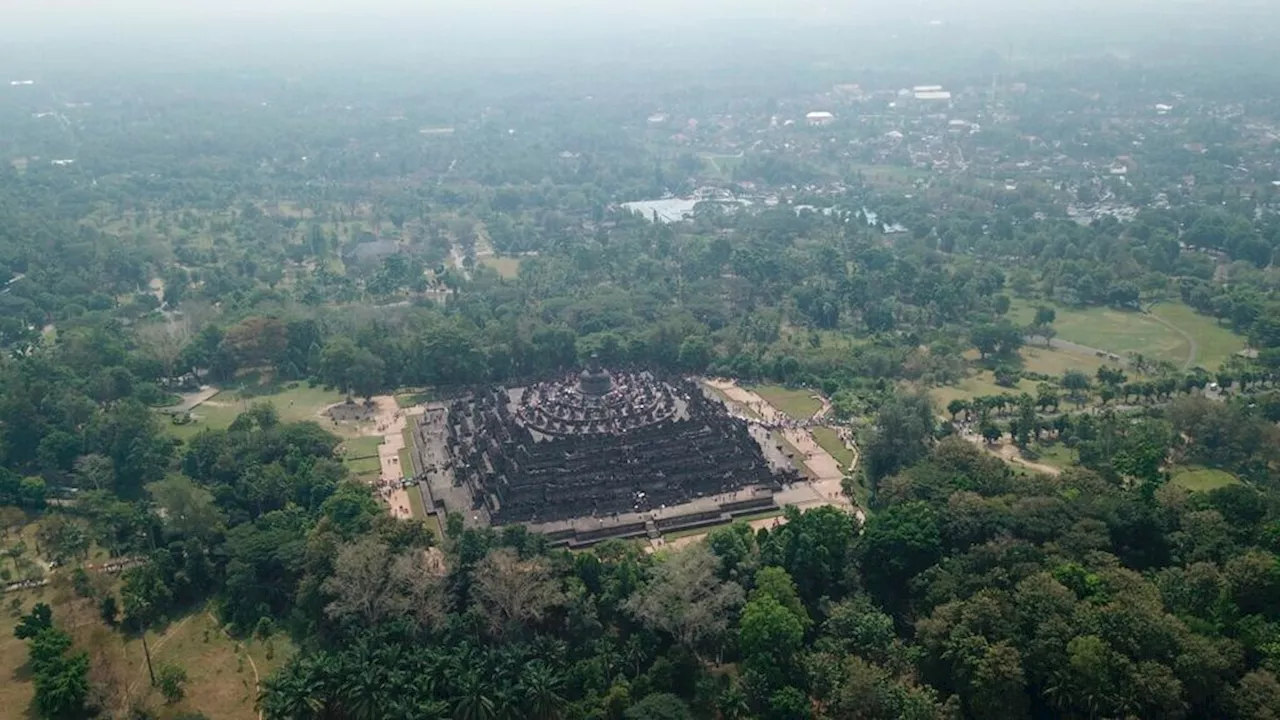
[
  {"x": 733, "y": 703},
  {"x": 297, "y": 692},
  {"x": 637, "y": 653},
  {"x": 473, "y": 701},
  {"x": 540, "y": 688}
]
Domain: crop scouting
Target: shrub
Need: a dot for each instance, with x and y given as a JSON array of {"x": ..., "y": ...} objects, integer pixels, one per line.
[{"x": 171, "y": 679}]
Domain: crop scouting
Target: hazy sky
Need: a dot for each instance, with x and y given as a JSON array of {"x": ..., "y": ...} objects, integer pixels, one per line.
[
  {"x": 120, "y": 14},
  {"x": 120, "y": 11},
  {"x": 218, "y": 28}
]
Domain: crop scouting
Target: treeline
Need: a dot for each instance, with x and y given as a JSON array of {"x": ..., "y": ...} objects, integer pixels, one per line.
[{"x": 972, "y": 591}]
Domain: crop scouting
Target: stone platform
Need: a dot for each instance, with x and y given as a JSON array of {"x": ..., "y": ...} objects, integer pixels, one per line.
[{"x": 582, "y": 459}]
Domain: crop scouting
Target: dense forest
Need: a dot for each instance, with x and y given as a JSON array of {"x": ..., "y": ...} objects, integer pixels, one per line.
[{"x": 1047, "y": 313}]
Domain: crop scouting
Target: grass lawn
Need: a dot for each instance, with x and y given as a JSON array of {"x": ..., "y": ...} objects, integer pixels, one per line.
[
  {"x": 1200, "y": 479},
  {"x": 830, "y": 441},
  {"x": 1214, "y": 343},
  {"x": 406, "y": 462},
  {"x": 293, "y": 405},
  {"x": 408, "y": 400},
  {"x": 15, "y": 678},
  {"x": 796, "y": 403},
  {"x": 361, "y": 447},
  {"x": 981, "y": 383},
  {"x": 1116, "y": 331},
  {"x": 415, "y": 504},
  {"x": 364, "y": 467},
  {"x": 507, "y": 267},
  {"x": 360, "y": 455},
  {"x": 1056, "y": 362},
  {"x": 221, "y": 680},
  {"x": 1057, "y": 455}
]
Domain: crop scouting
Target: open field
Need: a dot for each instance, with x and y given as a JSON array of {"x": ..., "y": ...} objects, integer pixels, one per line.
[
  {"x": 1200, "y": 479},
  {"x": 1116, "y": 331},
  {"x": 1214, "y": 343},
  {"x": 15, "y": 679},
  {"x": 293, "y": 405},
  {"x": 507, "y": 267},
  {"x": 981, "y": 383},
  {"x": 364, "y": 467},
  {"x": 829, "y": 440},
  {"x": 797, "y": 403},
  {"x": 221, "y": 682},
  {"x": 361, "y": 447},
  {"x": 1057, "y": 361}
]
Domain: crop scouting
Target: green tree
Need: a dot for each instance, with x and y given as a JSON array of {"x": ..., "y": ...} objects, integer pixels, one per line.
[
  {"x": 769, "y": 636},
  {"x": 1076, "y": 384},
  {"x": 659, "y": 706},
  {"x": 899, "y": 543},
  {"x": 1045, "y": 316},
  {"x": 186, "y": 508},
  {"x": 172, "y": 680},
  {"x": 35, "y": 622},
  {"x": 62, "y": 688},
  {"x": 813, "y": 548},
  {"x": 902, "y": 434},
  {"x": 774, "y": 582}
]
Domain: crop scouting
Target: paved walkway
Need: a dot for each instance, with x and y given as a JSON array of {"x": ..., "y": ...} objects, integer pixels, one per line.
[
  {"x": 825, "y": 486},
  {"x": 390, "y": 421}
]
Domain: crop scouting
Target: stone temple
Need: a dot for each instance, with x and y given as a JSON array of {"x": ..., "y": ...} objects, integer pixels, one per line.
[{"x": 595, "y": 455}]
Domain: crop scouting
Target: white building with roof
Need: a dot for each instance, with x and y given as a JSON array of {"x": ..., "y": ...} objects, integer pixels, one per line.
[
  {"x": 933, "y": 95},
  {"x": 820, "y": 117}
]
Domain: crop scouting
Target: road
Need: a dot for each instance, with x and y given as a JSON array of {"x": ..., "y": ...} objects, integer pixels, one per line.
[{"x": 190, "y": 401}]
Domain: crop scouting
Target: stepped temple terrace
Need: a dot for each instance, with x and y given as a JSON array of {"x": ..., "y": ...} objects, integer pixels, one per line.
[{"x": 596, "y": 455}]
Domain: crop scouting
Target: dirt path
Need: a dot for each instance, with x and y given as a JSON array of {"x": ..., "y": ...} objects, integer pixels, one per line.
[
  {"x": 257, "y": 680},
  {"x": 1009, "y": 453},
  {"x": 1193, "y": 353},
  {"x": 168, "y": 635}
]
